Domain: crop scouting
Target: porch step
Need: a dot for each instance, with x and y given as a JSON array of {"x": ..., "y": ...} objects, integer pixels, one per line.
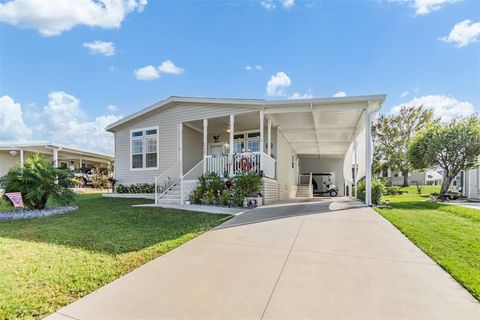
[
  {"x": 303, "y": 192},
  {"x": 173, "y": 195}
]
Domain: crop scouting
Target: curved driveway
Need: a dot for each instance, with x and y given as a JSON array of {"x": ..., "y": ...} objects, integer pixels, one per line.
[{"x": 308, "y": 260}]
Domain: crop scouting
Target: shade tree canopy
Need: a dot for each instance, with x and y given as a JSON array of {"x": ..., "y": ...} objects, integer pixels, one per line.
[{"x": 453, "y": 147}]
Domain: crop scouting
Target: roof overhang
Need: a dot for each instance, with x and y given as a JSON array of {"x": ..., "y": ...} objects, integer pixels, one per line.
[
  {"x": 46, "y": 147},
  {"x": 270, "y": 105}
]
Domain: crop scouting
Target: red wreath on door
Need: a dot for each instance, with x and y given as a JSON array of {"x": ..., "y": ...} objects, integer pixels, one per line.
[{"x": 245, "y": 164}]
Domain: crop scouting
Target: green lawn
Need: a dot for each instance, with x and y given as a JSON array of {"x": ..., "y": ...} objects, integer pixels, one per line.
[
  {"x": 449, "y": 234},
  {"x": 46, "y": 263}
]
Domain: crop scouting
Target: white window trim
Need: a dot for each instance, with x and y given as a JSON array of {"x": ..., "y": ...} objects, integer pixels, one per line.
[
  {"x": 245, "y": 138},
  {"x": 144, "y": 158}
]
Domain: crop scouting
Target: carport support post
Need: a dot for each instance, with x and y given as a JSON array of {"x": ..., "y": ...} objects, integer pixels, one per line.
[
  {"x": 368, "y": 159},
  {"x": 55, "y": 158},
  {"x": 21, "y": 158},
  {"x": 205, "y": 140},
  {"x": 180, "y": 159},
  {"x": 232, "y": 130},
  {"x": 355, "y": 165},
  {"x": 262, "y": 140},
  {"x": 269, "y": 137}
]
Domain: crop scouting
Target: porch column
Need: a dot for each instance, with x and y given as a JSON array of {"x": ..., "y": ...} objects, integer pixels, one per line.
[
  {"x": 180, "y": 159},
  {"x": 205, "y": 144},
  {"x": 80, "y": 163},
  {"x": 262, "y": 116},
  {"x": 355, "y": 166},
  {"x": 55, "y": 158},
  {"x": 269, "y": 137},
  {"x": 368, "y": 159},
  {"x": 232, "y": 130},
  {"x": 21, "y": 157}
]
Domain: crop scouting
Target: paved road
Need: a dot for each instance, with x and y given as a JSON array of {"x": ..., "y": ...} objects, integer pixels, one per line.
[{"x": 327, "y": 259}]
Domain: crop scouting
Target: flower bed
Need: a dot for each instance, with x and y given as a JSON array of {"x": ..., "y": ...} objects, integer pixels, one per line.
[{"x": 29, "y": 213}]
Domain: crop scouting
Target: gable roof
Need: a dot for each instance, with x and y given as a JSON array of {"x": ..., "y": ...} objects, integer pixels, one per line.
[{"x": 251, "y": 103}]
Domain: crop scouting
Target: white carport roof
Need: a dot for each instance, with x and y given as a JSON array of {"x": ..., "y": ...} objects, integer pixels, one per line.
[{"x": 324, "y": 127}]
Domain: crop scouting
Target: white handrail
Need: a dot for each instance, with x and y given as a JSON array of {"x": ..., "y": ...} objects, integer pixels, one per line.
[
  {"x": 194, "y": 173},
  {"x": 166, "y": 180}
]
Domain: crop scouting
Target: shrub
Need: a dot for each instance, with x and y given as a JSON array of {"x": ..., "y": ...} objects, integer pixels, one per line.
[
  {"x": 212, "y": 189},
  {"x": 378, "y": 189},
  {"x": 393, "y": 190},
  {"x": 247, "y": 184},
  {"x": 37, "y": 181},
  {"x": 225, "y": 198},
  {"x": 100, "y": 181},
  {"x": 136, "y": 188},
  {"x": 209, "y": 189}
]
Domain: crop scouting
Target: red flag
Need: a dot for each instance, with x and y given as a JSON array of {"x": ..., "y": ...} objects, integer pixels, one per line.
[{"x": 16, "y": 198}]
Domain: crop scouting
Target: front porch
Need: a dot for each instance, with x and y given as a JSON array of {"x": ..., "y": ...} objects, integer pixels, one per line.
[{"x": 234, "y": 144}]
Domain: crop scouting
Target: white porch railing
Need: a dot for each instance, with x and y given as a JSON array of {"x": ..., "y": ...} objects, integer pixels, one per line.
[
  {"x": 241, "y": 162},
  {"x": 306, "y": 180},
  {"x": 268, "y": 165},
  {"x": 166, "y": 180}
]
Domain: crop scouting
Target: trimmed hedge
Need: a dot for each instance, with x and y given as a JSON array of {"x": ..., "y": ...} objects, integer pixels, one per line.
[{"x": 136, "y": 188}]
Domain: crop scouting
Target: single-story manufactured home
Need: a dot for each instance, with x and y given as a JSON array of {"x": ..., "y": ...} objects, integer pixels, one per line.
[
  {"x": 288, "y": 142},
  {"x": 61, "y": 156}
]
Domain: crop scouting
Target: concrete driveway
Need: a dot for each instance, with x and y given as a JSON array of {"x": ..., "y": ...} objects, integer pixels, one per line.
[{"x": 309, "y": 260}]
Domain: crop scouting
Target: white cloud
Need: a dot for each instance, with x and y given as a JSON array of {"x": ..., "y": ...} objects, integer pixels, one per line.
[
  {"x": 147, "y": 73},
  {"x": 340, "y": 94},
  {"x": 256, "y": 67},
  {"x": 268, "y": 4},
  {"x": 150, "y": 72},
  {"x": 100, "y": 47},
  {"x": 423, "y": 7},
  {"x": 405, "y": 93},
  {"x": 52, "y": 17},
  {"x": 463, "y": 33},
  {"x": 444, "y": 107},
  {"x": 168, "y": 66},
  {"x": 12, "y": 126},
  {"x": 277, "y": 83},
  {"x": 288, "y": 3},
  {"x": 112, "y": 108},
  {"x": 112, "y": 68},
  {"x": 298, "y": 95},
  {"x": 60, "y": 121}
]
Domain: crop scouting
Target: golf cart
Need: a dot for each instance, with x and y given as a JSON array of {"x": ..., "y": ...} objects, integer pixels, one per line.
[{"x": 322, "y": 184}]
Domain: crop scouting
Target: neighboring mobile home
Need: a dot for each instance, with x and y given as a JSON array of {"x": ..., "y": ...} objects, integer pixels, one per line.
[
  {"x": 61, "y": 156},
  {"x": 174, "y": 141}
]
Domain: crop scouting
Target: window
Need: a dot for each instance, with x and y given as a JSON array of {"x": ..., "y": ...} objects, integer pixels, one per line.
[
  {"x": 247, "y": 141},
  {"x": 144, "y": 149}
]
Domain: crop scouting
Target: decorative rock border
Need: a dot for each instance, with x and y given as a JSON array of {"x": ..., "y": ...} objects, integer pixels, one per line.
[{"x": 29, "y": 214}]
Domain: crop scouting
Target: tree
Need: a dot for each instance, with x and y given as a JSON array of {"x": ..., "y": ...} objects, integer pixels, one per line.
[
  {"x": 392, "y": 135},
  {"x": 453, "y": 147},
  {"x": 37, "y": 180}
]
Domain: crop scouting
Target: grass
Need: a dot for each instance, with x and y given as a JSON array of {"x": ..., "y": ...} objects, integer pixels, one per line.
[
  {"x": 449, "y": 234},
  {"x": 46, "y": 263},
  {"x": 5, "y": 205}
]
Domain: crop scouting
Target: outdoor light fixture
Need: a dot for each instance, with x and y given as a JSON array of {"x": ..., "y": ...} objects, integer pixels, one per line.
[{"x": 13, "y": 153}]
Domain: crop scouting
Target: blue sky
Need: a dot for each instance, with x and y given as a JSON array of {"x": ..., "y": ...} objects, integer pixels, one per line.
[{"x": 54, "y": 88}]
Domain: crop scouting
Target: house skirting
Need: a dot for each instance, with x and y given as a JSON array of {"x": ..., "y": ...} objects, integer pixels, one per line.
[{"x": 273, "y": 191}]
